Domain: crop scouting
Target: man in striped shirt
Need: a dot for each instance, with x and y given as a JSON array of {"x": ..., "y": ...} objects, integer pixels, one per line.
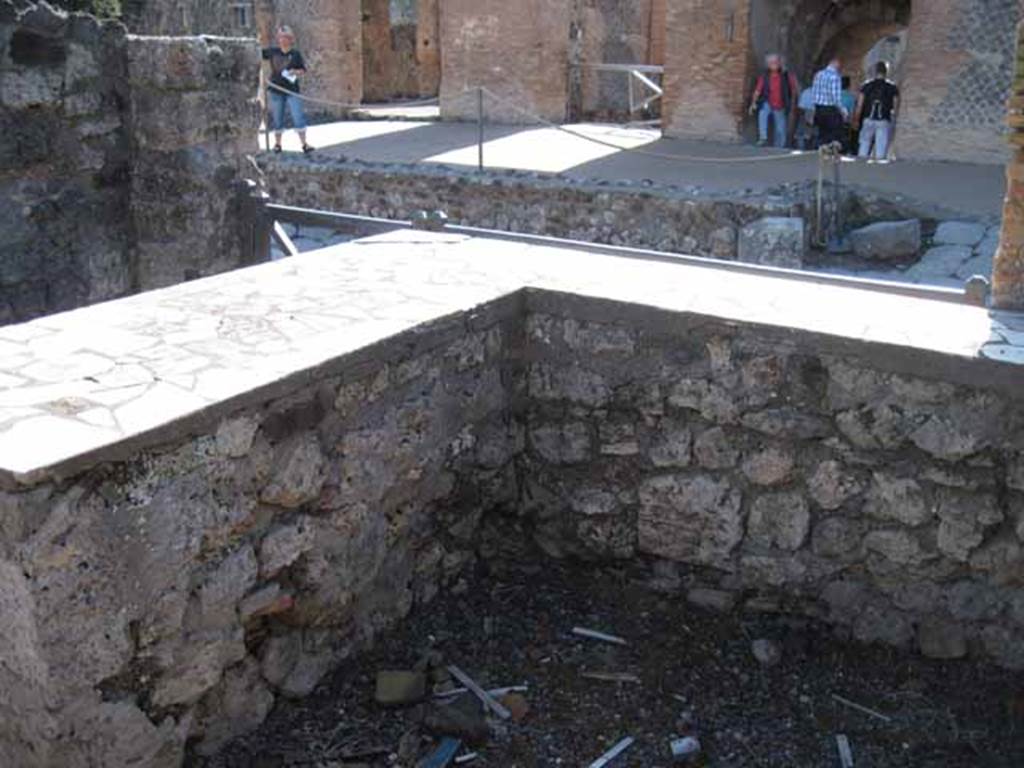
[{"x": 829, "y": 113}]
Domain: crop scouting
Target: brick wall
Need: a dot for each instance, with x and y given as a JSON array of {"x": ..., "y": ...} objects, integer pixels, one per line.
[
  {"x": 707, "y": 68},
  {"x": 518, "y": 50},
  {"x": 330, "y": 35},
  {"x": 400, "y": 59}
]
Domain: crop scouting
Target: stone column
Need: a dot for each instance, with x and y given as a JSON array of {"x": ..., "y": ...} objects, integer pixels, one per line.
[
  {"x": 1008, "y": 273},
  {"x": 707, "y": 68}
]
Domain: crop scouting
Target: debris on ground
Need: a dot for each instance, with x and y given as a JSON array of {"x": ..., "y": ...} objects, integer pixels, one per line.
[
  {"x": 704, "y": 684},
  {"x": 685, "y": 749},
  {"x": 861, "y": 708},
  {"x": 396, "y": 688},
  {"x": 489, "y": 701},
  {"x": 766, "y": 652},
  {"x": 845, "y": 753},
  {"x": 594, "y": 635},
  {"x": 612, "y": 753},
  {"x": 611, "y": 677},
  {"x": 443, "y": 756}
]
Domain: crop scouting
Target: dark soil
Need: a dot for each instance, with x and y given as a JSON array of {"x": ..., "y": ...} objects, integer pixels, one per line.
[{"x": 698, "y": 678}]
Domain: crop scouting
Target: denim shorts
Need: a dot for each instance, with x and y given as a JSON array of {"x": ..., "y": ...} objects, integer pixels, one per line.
[{"x": 279, "y": 103}]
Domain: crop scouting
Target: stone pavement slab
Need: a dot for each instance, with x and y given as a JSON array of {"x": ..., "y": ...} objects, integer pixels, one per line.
[{"x": 74, "y": 385}]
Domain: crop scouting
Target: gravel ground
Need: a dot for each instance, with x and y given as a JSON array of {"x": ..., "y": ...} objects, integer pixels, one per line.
[{"x": 697, "y": 676}]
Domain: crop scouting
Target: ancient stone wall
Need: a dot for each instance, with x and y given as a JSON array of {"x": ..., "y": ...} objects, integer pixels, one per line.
[
  {"x": 173, "y": 595},
  {"x": 330, "y": 35},
  {"x": 708, "y": 66},
  {"x": 520, "y": 51},
  {"x": 191, "y": 122},
  {"x": 674, "y": 220},
  {"x": 120, "y": 160},
  {"x": 671, "y": 219},
  {"x": 401, "y": 57},
  {"x": 616, "y": 33},
  {"x": 64, "y": 163},
  {"x": 183, "y": 17},
  {"x": 266, "y": 469},
  {"x": 781, "y": 470}
]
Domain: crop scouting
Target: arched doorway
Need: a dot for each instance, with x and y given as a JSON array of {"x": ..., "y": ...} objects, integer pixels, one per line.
[{"x": 850, "y": 29}]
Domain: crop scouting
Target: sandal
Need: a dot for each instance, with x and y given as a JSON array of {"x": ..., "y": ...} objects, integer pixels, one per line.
[
  {"x": 277, "y": 149},
  {"x": 306, "y": 149}
]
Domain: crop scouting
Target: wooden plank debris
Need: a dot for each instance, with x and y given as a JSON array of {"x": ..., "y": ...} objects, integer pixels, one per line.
[
  {"x": 594, "y": 635},
  {"x": 845, "y": 753},
  {"x": 611, "y": 677},
  {"x": 495, "y": 692},
  {"x": 861, "y": 708},
  {"x": 466, "y": 758},
  {"x": 612, "y": 753},
  {"x": 489, "y": 701}
]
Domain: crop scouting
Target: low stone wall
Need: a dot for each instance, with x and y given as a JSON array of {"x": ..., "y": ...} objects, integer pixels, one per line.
[
  {"x": 787, "y": 471},
  {"x": 171, "y": 596},
  {"x": 665, "y": 219},
  {"x": 120, "y": 164},
  {"x": 237, "y": 482}
]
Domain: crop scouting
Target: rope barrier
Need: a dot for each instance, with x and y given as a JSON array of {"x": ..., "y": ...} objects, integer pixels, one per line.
[
  {"x": 345, "y": 105},
  {"x": 794, "y": 155}
]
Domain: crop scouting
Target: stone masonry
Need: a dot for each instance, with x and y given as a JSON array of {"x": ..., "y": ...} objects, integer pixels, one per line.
[
  {"x": 237, "y": 482},
  {"x": 121, "y": 164}
]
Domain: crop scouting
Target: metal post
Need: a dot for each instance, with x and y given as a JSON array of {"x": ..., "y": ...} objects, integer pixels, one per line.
[
  {"x": 480, "y": 128},
  {"x": 266, "y": 120}
]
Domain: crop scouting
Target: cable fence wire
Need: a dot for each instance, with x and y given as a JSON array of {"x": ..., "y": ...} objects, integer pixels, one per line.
[{"x": 537, "y": 119}]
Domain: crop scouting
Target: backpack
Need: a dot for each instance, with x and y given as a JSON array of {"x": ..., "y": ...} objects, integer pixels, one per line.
[{"x": 879, "y": 99}]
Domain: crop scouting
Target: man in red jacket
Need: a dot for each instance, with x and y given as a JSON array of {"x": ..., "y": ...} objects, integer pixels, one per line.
[{"x": 775, "y": 97}]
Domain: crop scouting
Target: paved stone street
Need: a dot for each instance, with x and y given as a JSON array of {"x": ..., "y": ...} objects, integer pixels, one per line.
[
  {"x": 75, "y": 383},
  {"x": 974, "y": 190}
]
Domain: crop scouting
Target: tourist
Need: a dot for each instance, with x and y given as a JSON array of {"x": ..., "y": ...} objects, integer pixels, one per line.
[
  {"x": 849, "y": 104},
  {"x": 877, "y": 107},
  {"x": 830, "y": 115},
  {"x": 286, "y": 66},
  {"x": 805, "y": 119},
  {"x": 774, "y": 99}
]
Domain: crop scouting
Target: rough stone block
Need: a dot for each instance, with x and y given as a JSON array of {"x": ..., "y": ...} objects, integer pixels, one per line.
[
  {"x": 769, "y": 466},
  {"x": 298, "y": 473},
  {"x": 398, "y": 687},
  {"x": 831, "y": 485},
  {"x": 774, "y": 242},
  {"x": 780, "y": 520},
  {"x": 562, "y": 443},
  {"x": 887, "y": 240},
  {"x": 712, "y": 599},
  {"x": 689, "y": 519}
]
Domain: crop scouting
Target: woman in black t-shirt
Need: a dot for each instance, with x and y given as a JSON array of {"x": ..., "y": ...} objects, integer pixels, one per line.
[{"x": 286, "y": 66}]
